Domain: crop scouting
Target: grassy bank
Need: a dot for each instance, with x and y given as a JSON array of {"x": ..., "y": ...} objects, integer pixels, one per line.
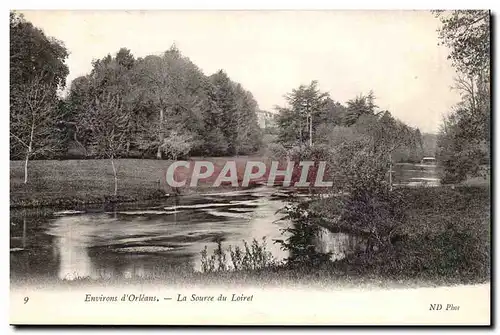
[
  {"x": 72, "y": 183},
  {"x": 323, "y": 277},
  {"x": 444, "y": 236},
  {"x": 75, "y": 182}
]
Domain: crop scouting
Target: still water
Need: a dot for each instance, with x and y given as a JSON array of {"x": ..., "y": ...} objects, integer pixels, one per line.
[{"x": 152, "y": 239}]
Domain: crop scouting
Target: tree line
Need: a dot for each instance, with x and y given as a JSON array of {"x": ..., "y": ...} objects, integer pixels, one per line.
[
  {"x": 159, "y": 106},
  {"x": 312, "y": 117}
]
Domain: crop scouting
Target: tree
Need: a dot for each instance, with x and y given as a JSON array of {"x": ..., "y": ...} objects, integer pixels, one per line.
[
  {"x": 109, "y": 74},
  {"x": 34, "y": 121},
  {"x": 105, "y": 100},
  {"x": 107, "y": 125},
  {"x": 33, "y": 54},
  {"x": 387, "y": 135},
  {"x": 159, "y": 83},
  {"x": 225, "y": 100},
  {"x": 467, "y": 34},
  {"x": 297, "y": 120},
  {"x": 459, "y": 149},
  {"x": 77, "y": 105},
  {"x": 331, "y": 115},
  {"x": 37, "y": 71},
  {"x": 173, "y": 86},
  {"x": 125, "y": 58},
  {"x": 248, "y": 132},
  {"x": 359, "y": 106},
  {"x": 464, "y": 139},
  {"x": 177, "y": 145}
]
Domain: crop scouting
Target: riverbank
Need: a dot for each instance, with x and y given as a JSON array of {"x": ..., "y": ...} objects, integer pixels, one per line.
[
  {"x": 72, "y": 183},
  {"x": 444, "y": 237},
  {"x": 282, "y": 276}
]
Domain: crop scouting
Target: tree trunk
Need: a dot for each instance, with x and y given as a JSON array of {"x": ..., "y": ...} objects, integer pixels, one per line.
[
  {"x": 161, "y": 136},
  {"x": 390, "y": 172},
  {"x": 26, "y": 168},
  {"x": 310, "y": 130},
  {"x": 80, "y": 144},
  {"x": 28, "y": 153},
  {"x": 114, "y": 175},
  {"x": 300, "y": 130},
  {"x": 127, "y": 150}
]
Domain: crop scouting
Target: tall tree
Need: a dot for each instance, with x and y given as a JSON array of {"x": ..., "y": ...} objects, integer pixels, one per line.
[
  {"x": 359, "y": 106},
  {"x": 77, "y": 104},
  {"x": 34, "y": 55},
  {"x": 215, "y": 142},
  {"x": 225, "y": 100},
  {"x": 107, "y": 125},
  {"x": 37, "y": 71},
  {"x": 464, "y": 139},
  {"x": 248, "y": 132},
  {"x": 298, "y": 119},
  {"x": 173, "y": 86}
]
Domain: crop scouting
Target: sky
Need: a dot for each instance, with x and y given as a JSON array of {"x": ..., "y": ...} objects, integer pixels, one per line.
[{"x": 393, "y": 53}]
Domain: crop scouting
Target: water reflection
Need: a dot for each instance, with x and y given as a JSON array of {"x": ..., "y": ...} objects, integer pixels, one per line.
[
  {"x": 339, "y": 245},
  {"x": 73, "y": 235},
  {"x": 24, "y": 233},
  {"x": 148, "y": 241}
]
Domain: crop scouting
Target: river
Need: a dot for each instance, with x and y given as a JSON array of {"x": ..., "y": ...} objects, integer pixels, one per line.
[{"x": 149, "y": 239}]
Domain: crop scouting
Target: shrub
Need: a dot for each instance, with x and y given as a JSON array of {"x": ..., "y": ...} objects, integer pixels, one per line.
[
  {"x": 459, "y": 254},
  {"x": 251, "y": 257},
  {"x": 276, "y": 151},
  {"x": 301, "y": 236}
]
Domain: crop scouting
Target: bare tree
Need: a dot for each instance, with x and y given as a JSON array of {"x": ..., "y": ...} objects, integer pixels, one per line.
[
  {"x": 34, "y": 119},
  {"x": 107, "y": 122}
]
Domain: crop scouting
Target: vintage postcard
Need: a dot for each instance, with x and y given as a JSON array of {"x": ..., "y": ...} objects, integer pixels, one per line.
[{"x": 250, "y": 167}]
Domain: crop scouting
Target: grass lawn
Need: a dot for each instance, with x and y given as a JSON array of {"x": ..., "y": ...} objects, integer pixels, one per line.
[
  {"x": 50, "y": 181},
  {"x": 66, "y": 183}
]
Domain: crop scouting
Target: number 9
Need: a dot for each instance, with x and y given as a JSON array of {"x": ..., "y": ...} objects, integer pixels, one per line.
[{"x": 26, "y": 299}]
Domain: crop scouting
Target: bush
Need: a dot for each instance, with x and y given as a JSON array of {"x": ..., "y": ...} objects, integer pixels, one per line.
[
  {"x": 276, "y": 151},
  {"x": 464, "y": 255},
  {"x": 250, "y": 257},
  {"x": 301, "y": 236},
  {"x": 177, "y": 145}
]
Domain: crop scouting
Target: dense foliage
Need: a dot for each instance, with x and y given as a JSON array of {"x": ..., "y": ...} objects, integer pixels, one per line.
[
  {"x": 312, "y": 117},
  {"x": 168, "y": 100},
  {"x": 37, "y": 71},
  {"x": 464, "y": 139}
]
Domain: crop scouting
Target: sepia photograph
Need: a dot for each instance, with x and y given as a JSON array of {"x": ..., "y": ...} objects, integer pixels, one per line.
[{"x": 250, "y": 167}]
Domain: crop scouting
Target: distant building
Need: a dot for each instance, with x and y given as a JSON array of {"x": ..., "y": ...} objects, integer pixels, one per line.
[{"x": 266, "y": 119}]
